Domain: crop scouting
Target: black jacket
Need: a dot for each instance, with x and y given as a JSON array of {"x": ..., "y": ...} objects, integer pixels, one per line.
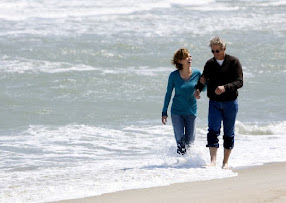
[{"x": 229, "y": 75}]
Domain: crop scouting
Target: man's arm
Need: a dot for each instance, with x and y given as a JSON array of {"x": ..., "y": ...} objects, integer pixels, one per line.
[{"x": 238, "y": 82}]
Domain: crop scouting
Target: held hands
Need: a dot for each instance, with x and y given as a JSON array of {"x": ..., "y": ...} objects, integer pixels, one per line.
[
  {"x": 197, "y": 94},
  {"x": 219, "y": 90},
  {"x": 164, "y": 119}
]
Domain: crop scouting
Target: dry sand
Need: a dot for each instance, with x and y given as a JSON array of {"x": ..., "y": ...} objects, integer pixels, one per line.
[{"x": 265, "y": 183}]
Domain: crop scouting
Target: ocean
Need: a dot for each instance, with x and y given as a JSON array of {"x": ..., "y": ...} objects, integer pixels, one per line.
[{"x": 83, "y": 86}]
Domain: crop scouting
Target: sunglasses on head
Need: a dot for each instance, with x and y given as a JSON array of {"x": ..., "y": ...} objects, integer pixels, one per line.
[{"x": 215, "y": 51}]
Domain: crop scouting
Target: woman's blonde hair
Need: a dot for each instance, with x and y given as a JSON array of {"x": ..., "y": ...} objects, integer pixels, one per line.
[
  {"x": 179, "y": 55},
  {"x": 217, "y": 41}
]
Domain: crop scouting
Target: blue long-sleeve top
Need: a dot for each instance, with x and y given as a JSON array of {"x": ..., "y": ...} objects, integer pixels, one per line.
[{"x": 184, "y": 102}]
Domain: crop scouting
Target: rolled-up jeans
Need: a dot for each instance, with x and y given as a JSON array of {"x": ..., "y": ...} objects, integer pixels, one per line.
[
  {"x": 184, "y": 130},
  {"x": 222, "y": 112}
]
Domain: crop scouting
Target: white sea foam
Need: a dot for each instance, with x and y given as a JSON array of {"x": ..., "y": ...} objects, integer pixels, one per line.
[
  {"x": 36, "y": 66},
  {"x": 63, "y": 9},
  {"x": 94, "y": 160},
  {"x": 75, "y": 10},
  {"x": 90, "y": 160},
  {"x": 274, "y": 3},
  {"x": 141, "y": 70},
  {"x": 58, "y": 18}
]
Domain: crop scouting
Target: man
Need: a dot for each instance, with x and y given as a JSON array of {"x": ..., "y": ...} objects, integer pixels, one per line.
[{"x": 223, "y": 75}]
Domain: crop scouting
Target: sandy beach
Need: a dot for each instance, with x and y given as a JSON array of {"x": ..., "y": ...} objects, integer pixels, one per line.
[{"x": 265, "y": 183}]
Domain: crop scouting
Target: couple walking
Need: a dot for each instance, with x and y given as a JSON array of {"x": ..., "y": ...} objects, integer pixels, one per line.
[{"x": 223, "y": 76}]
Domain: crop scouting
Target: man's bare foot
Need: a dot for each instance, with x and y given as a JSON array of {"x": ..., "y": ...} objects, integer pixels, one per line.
[
  {"x": 212, "y": 164},
  {"x": 226, "y": 166}
]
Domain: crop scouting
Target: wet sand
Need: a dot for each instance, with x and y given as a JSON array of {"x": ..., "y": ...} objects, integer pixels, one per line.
[{"x": 265, "y": 183}]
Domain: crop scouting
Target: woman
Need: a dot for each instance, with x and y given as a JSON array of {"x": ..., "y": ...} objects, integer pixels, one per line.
[{"x": 184, "y": 105}]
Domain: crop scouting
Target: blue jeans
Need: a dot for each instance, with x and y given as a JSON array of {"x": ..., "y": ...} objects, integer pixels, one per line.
[
  {"x": 222, "y": 112},
  {"x": 184, "y": 130}
]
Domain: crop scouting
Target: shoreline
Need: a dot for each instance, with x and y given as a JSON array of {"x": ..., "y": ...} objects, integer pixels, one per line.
[{"x": 265, "y": 183}]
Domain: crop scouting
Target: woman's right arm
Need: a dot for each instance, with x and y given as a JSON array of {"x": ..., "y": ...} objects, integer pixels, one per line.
[{"x": 167, "y": 99}]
